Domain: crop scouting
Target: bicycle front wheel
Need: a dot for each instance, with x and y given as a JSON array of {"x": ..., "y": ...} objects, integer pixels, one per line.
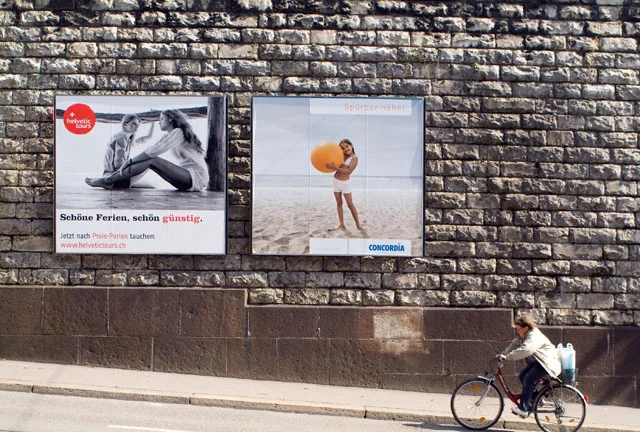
[
  {"x": 560, "y": 408},
  {"x": 477, "y": 404}
]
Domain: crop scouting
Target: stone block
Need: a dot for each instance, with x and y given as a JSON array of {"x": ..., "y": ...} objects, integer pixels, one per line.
[
  {"x": 303, "y": 263},
  {"x": 473, "y": 298},
  {"x": 325, "y": 279},
  {"x": 108, "y": 277},
  {"x": 47, "y": 349},
  {"x": 568, "y": 317},
  {"x": 422, "y": 298},
  {"x": 287, "y": 279},
  {"x": 413, "y": 357},
  {"x": 247, "y": 279},
  {"x": 470, "y": 357},
  {"x": 537, "y": 284},
  {"x": 468, "y": 324},
  {"x": 626, "y": 351},
  {"x": 283, "y": 322},
  {"x": 397, "y": 323},
  {"x": 378, "y": 264},
  {"x": 200, "y": 356},
  {"x": 515, "y": 299},
  {"x": 252, "y": 358},
  {"x": 556, "y": 299},
  {"x": 75, "y": 311},
  {"x": 554, "y": 334},
  {"x": 400, "y": 280},
  {"x": 355, "y": 363},
  {"x": 608, "y": 390},
  {"x": 116, "y": 352},
  {"x": 95, "y": 262},
  {"x": 143, "y": 278},
  {"x": 20, "y": 311},
  {"x": 176, "y": 278},
  {"x": 612, "y": 317},
  {"x": 144, "y": 312},
  {"x": 212, "y": 313},
  {"x": 346, "y": 297},
  {"x": 306, "y": 296},
  {"x": 339, "y": 264},
  {"x": 18, "y": 260},
  {"x": 304, "y": 360},
  {"x": 49, "y": 277},
  {"x": 9, "y": 277},
  {"x": 266, "y": 296},
  {"x": 345, "y": 323},
  {"x": 461, "y": 282}
]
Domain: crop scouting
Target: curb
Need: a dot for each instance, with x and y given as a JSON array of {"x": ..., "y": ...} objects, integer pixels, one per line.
[
  {"x": 374, "y": 413},
  {"x": 279, "y": 405}
]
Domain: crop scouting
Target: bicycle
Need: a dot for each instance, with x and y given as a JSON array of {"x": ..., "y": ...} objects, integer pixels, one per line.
[{"x": 478, "y": 403}]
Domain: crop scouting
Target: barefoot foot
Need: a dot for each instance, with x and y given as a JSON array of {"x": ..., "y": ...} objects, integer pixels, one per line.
[
  {"x": 339, "y": 227},
  {"x": 98, "y": 182}
]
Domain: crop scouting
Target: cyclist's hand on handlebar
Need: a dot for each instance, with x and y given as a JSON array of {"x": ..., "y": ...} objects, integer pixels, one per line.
[{"x": 501, "y": 357}]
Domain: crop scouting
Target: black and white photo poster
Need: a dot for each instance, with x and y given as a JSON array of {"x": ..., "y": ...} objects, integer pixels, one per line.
[{"x": 140, "y": 174}]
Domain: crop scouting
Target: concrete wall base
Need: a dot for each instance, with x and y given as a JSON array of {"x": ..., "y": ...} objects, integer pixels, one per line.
[{"x": 214, "y": 332}]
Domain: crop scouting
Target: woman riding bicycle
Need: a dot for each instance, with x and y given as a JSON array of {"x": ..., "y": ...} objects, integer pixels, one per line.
[{"x": 541, "y": 355}]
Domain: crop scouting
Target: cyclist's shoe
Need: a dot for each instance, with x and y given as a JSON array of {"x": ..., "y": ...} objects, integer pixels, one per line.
[{"x": 517, "y": 411}]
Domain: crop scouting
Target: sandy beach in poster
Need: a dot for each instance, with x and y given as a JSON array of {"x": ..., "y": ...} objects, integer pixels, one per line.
[{"x": 285, "y": 218}]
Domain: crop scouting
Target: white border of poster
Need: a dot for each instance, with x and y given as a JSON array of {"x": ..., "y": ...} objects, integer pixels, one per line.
[
  {"x": 295, "y": 204},
  {"x": 156, "y": 211}
]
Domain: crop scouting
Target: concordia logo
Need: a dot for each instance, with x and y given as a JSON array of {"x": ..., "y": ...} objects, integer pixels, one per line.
[{"x": 386, "y": 247}]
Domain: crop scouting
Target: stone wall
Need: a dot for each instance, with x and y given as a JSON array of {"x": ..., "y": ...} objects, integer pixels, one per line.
[
  {"x": 532, "y": 119},
  {"x": 214, "y": 332}
]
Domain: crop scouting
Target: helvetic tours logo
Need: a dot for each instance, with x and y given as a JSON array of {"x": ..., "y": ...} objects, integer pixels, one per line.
[{"x": 79, "y": 119}]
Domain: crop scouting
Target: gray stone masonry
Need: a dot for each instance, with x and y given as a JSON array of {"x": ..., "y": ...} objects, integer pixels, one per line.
[{"x": 532, "y": 113}]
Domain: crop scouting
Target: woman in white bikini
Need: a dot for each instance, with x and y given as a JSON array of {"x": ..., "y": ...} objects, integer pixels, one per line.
[{"x": 341, "y": 184}]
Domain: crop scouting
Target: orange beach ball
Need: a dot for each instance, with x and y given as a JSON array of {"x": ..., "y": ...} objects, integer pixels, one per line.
[{"x": 329, "y": 152}]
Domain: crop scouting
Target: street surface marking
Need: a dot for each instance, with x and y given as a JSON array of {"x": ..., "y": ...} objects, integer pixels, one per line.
[{"x": 144, "y": 428}]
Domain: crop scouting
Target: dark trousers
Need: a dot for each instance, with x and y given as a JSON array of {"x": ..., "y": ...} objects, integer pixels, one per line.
[
  {"x": 120, "y": 184},
  {"x": 530, "y": 377}
]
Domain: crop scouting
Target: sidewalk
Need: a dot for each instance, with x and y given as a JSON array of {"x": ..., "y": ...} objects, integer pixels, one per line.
[{"x": 269, "y": 395}]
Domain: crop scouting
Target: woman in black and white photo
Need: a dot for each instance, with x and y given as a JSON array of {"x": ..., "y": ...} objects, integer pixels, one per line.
[
  {"x": 189, "y": 174},
  {"x": 119, "y": 147}
]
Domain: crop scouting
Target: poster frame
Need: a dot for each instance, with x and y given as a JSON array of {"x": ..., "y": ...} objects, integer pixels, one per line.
[
  {"x": 422, "y": 137},
  {"x": 220, "y": 160}
]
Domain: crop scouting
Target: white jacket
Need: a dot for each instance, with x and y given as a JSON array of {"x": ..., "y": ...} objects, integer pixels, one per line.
[{"x": 535, "y": 344}]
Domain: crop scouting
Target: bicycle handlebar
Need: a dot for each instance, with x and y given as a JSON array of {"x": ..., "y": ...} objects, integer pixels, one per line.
[{"x": 499, "y": 363}]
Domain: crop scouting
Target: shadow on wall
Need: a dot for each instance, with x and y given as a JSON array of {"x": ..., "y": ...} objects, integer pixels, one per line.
[{"x": 607, "y": 363}]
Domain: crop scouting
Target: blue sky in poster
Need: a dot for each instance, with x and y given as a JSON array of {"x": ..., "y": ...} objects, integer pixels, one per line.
[{"x": 285, "y": 132}]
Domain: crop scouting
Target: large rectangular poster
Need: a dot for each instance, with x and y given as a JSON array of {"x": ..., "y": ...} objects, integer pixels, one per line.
[
  {"x": 337, "y": 176},
  {"x": 140, "y": 174}
]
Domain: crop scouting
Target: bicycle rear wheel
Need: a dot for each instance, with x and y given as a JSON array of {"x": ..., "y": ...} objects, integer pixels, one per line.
[
  {"x": 477, "y": 404},
  {"x": 560, "y": 408}
]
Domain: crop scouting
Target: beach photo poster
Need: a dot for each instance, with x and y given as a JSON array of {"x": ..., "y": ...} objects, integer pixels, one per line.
[
  {"x": 140, "y": 174},
  {"x": 337, "y": 176}
]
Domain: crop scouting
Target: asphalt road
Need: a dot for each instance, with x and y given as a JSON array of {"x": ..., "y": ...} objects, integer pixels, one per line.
[{"x": 28, "y": 412}]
